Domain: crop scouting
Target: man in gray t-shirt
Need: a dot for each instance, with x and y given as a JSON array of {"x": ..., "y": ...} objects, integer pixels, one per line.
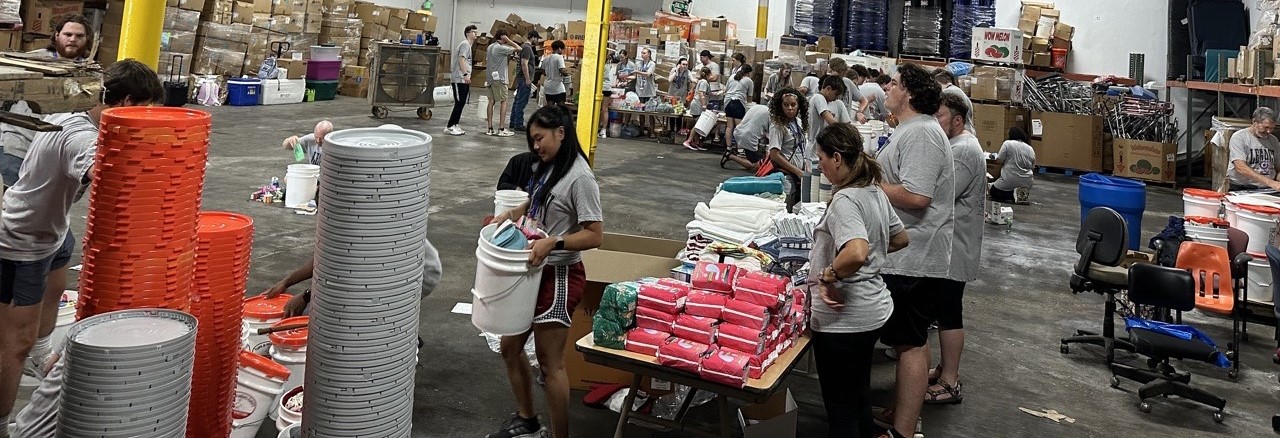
[
  {"x": 920, "y": 183},
  {"x": 525, "y": 73},
  {"x": 554, "y": 88},
  {"x": 460, "y": 78},
  {"x": 497, "y": 58},
  {"x": 1253, "y": 154},
  {"x": 948, "y": 83}
]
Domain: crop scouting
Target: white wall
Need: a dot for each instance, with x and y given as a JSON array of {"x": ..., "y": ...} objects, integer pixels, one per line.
[{"x": 1107, "y": 31}]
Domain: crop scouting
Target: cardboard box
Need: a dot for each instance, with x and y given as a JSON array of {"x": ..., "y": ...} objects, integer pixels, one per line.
[
  {"x": 10, "y": 40},
  {"x": 620, "y": 258},
  {"x": 190, "y": 5},
  {"x": 417, "y": 21},
  {"x": 40, "y": 15},
  {"x": 262, "y": 6},
  {"x": 714, "y": 29},
  {"x": 1041, "y": 60},
  {"x": 993, "y": 123},
  {"x": 370, "y": 13},
  {"x": 177, "y": 41},
  {"x": 1069, "y": 141},
  {"x": 1063, "y": 31},
  {"x": 53, "y": 93},
  {"x": 1040, "y": 45},
  {"x": 997, "y": 45},
  {"x": 181, "y": 20},
  {"x": 576, "y": 30},
  {"x": 218, "y": 62},
  {"x": 1001, "y": 84},
  {"x": 297, "y": 68},
  {"x": 826, "y": 43},
  {"x": 396, "y": 17},
  {"x": 1027, "y": 27},
  {"x": 372, "y": 30},
  {"x": 774, "y": 418},
  {"x": 1146, "y": 160},
  {"x": 502, "y": 25},
  {"x": 1030, "y": 12},
  {"x": 1050, "y": 12}
]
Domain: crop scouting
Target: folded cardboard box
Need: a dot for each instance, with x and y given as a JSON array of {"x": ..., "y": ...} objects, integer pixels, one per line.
[{"x": 54, "y": 95}]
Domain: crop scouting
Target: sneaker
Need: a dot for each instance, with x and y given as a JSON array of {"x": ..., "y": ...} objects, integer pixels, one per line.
[
  {"x": 506, "y": 133},
  {"x": 491, "y": 132},
  {"x": 690, "y": 146},
  {"x": 518, "y": 427},
  {"x": 454, "y": 130},
  {"x": 604, "y": 133}
]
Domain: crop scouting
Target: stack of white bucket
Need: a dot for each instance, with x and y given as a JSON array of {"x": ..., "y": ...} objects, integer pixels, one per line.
[
  {"x": 1254, "y": 214},
  {"x": 504, "y": 200}
]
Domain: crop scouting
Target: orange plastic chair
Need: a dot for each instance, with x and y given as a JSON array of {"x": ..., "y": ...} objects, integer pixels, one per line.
[{"x": 1216, "y": 290}]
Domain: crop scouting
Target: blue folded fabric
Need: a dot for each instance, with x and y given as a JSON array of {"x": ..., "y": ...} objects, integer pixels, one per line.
[
  {"x": 509, "y": 236},
  {"x": 753, "y": 185}
]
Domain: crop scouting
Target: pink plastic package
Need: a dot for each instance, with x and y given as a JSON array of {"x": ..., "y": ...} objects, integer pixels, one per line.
[
  {"x": 718, "y": 277},
  {"x": 682, "y": 354},
  {"x": 705, "y": 303}
]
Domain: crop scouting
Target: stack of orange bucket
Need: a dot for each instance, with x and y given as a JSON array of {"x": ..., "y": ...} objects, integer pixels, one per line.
[
  {"x": 140, "y": 243},
  {"x": 217, "y": 301}
]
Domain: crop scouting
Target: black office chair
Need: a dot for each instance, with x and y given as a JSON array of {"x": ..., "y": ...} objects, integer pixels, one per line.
[
  {"x": 1168, "y": 290},
  {"x": 1102, "y": 245}
]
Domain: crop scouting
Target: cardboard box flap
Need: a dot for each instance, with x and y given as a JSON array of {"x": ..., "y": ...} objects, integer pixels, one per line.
[{"x": 774, "y": 418}]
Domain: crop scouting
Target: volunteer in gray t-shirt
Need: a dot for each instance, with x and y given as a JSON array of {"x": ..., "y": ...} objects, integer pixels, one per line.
[
  {"x": 1019, "y": 161},
  {"x": 1253, "y": 154},
  {"x": 920, "y": 184},
  {"x": 750, "y": 134},
  {"x": 849, "y": 300},
  {"x": 460, "y": 79},
  {"x": 966, "y": 248},
  {"x": 564, "y": 199},
  {"x": 554, "y": 89},
  {"x": 948, "y": 82},
  {"x": 497, "y": 60}
]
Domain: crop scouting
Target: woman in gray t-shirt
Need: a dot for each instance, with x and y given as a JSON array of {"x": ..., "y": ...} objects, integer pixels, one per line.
[
  {"x": 850, "y": 301},
  {"x": 565, "y": 200}
]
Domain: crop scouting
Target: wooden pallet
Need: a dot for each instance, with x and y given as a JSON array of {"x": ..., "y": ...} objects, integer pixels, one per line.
[
  {"x": 1047, "y": 170},
  {"x": 1271, "y": 81},
  {"x": 995, "y": 102},
  {"x": 922, "y": 58}
]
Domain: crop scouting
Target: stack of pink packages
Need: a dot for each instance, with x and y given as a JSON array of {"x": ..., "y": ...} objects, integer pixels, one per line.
[{"x": 729, "y": 325}]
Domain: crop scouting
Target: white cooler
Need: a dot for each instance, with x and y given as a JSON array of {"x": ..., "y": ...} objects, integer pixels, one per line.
[{"x": 279, "y": 91}]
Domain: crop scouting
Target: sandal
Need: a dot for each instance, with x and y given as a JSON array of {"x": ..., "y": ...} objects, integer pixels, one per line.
[
  {"x": 952, "y": 393},
  {"x": 934, "y": 374},
  {"x": 724, "y": 158}
]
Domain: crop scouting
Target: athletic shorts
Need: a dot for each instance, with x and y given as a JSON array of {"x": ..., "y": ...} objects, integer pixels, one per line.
[
  {"x": 951, "y": 306},
  {"x": 752, "y": 156},
  {"x": 23, "y": 283},
  {"x": 556, "y": 98},
  {"x": 560, "y": 293},
  {"x": 915, "y": 308},
  {"x": 735, "y": 110},
  {"x": 498, "y": 91}
]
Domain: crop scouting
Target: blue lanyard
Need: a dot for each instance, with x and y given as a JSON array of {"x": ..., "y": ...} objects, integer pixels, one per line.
[
  {"x": 797, "y": 137},
  {"x": 535, "y": 188}
]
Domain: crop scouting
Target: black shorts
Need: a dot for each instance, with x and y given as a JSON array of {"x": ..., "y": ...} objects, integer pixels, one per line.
[
  {"x": 998, "y": 195},
  {"x": 715, "y": 105},
  {"x": 752, "y": 156},
  {"x": 735, "y": 110},
  {"x": 23, "y": 283},
  {"x": 555, "y": 98},
  {"x": 915, "y": 307},
  {"x": 951, "y": 306}
]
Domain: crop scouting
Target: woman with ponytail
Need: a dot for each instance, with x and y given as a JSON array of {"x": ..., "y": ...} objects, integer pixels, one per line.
[
  {"x": 736, "y": 96},
  {"x": 851, "y": 302},
  {"x": 565, "y": 201}
]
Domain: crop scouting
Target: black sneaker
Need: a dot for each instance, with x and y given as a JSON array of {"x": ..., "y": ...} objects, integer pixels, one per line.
[{"x": 519, "y": 427}]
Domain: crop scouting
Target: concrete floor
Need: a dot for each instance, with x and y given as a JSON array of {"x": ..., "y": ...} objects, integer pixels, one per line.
[{"x": 1016, "y": 312}]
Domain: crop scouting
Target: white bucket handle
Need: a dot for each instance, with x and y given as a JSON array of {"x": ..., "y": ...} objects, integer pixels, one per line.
[{"x": 500, "y": 295}]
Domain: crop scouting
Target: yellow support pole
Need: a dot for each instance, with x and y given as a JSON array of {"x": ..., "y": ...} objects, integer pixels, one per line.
[
  {"x": 595, "y": 49},
  {"x": 140, "y": 31},
  {"x": 762, "y": 19}
]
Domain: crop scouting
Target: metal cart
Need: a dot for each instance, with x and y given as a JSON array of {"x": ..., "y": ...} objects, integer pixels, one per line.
[{"x": 402, "y": 75}]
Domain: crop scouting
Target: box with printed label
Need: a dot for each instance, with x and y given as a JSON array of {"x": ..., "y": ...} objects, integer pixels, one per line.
[
  {"x": 997, "y": 45},
  {"x": 1147, "y": 160}
]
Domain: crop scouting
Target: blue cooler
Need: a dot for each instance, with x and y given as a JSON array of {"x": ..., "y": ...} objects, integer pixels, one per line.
[{"x": 244, "y": 91}]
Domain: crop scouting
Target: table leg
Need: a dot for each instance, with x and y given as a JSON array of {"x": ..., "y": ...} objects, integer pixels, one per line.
[
  {"x": 626, "y": 406},
  {"x": 726, "y": 421}
]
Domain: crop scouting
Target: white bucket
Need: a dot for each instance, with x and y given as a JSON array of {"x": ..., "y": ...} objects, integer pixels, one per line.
[
  {"x": 1260, "y": 279},
  {"x": 506, "y": 288},
  {"x": 300, "y": 183},
  {"x": 504, "y": 200},
  {"x": 294, "y": 431},
  {"x": 286, "y": 417},
  {"x": 1231, "y": 212},
  {"x": 868, "y": 133},
  {"x": 66, "y": 317},
  {"x": 289, "y": 348},
  {"x": 1196, "y": 202},
  {"x": 259, "y": 313},
  {"x": 1216, "y": 241},
  {"x": 706, "y": 122},
  {"x": 258, "y": 383},
  {"x": 443, "y": 95},
  {"x": 1258, "y": 223}
]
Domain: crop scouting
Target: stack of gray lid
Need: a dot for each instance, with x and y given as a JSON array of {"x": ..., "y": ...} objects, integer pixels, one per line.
[
  {"x": 128, "y": 374},
  {"x": 371, "y": 232}
]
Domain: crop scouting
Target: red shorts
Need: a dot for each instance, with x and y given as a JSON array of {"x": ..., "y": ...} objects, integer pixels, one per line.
[{"x": 560, "y": 293}]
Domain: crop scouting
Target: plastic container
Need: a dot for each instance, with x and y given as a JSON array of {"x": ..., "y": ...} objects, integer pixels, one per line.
[
  {"x": 289, "y": 348},
  {"x": 323, "y": 70},
  {"x": 326, "y": 53},
  {"x": 443, "y": 94},
  {"x": 506, "y": 288},
  {"x": 321, "y": 90},
  {"x": 260, "y": 313},
  {"x": 300, "y": 184},
  {"x": 706, "y": 122},
  {"x": 66, "y": 317},
  {"x": 294, "y": 431},
  {"x": 1259, "y": 223},
  {"x": 1200, "y": 202},
  {"x": 1260, "y": 278},
  {"x": 243, "y": 91},
  {"x": 282, "y": 91},
  {"x": 259, "y": 382},
  {"x": 1125, "y": 196},
  {"x": 286, "y": 417},
  {"x": 504, "y": 200}
]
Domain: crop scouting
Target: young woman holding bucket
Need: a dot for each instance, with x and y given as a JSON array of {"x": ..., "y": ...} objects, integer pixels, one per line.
[
  {"x": 565, "y": 200},
  {"x": 850, "y": 244}
]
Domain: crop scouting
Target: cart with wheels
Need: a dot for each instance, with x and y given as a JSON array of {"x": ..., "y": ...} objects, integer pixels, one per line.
[{"x": 402, "y": 75}]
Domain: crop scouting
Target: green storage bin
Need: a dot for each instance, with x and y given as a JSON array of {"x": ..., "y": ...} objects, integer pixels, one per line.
[{"x": 321, "y": 90}]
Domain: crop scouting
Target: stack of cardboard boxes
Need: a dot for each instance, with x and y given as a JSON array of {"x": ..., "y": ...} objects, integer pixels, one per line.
[
  {"x": 341, "y": 28},
  {"x": 1047, "y": 40}
]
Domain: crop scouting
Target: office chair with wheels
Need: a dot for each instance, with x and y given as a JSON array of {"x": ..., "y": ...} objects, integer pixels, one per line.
[
  {"x": 1168, "y": 289},
  {"x": 1220, "y": 287},
  {"x": 1102, "y": 246}
]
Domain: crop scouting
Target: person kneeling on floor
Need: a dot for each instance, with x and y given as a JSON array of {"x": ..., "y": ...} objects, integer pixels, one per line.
[
  {"x": 1018, "y": 159},
  {"x": 309, "y": 146}
]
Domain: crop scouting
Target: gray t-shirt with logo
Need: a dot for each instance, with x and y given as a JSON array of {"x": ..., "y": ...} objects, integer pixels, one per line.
[
  {"x": 1258, "y": 153},
  {"x": 36, "y": 215},
  {"x": 855, "y": 213},
  {"x": 971, "y": 183},
  {"x": 456, "y": 72},
  {"x": 919, "y": 158},
  {"x": 573, "y": 200},
  {"x": 497, "y": 59}
]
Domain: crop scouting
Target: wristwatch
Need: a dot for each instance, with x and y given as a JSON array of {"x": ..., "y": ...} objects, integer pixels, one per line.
[{"x": 559, "y": 243}]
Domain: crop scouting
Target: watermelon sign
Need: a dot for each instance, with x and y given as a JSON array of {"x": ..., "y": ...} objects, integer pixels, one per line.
[{"x": 997, "y": 45}]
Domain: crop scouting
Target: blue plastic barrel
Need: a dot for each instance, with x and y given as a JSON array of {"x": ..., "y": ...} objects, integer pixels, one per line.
[{"x": 1125, "y": 196}]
